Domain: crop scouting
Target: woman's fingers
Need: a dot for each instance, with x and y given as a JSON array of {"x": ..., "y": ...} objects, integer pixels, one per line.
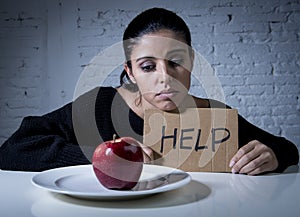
[
  {"x": 242, "y": 157},
  {"x": 148, "y": 154},
  {"x": 254, "y": 158}
]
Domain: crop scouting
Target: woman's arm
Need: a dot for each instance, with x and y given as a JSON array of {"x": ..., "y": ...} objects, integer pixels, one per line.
[
  {"x": 261, "y": 151},
  {"x": 42, "y": 143}
]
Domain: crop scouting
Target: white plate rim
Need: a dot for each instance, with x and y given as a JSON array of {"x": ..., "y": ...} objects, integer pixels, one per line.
[{"x": 46, "y": 180}]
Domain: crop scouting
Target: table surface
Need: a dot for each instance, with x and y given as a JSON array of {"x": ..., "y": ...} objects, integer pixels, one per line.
[{"x": 208, "y": 194}]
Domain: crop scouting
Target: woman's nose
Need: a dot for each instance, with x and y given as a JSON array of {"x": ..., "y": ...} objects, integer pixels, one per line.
[{"x": 165, "y": 71}]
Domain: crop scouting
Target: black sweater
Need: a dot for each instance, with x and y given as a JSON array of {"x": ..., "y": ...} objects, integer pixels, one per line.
[{"x": 51, "y": 140}]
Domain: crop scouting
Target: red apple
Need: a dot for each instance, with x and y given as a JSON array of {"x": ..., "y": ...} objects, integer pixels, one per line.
[{"x": 118, "y": 163}]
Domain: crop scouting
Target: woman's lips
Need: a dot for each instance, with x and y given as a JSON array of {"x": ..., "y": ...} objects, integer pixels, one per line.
[{"x": 167, "y": 94}]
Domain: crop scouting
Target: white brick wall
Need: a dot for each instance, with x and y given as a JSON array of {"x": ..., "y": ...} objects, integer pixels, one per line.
[{"x": 253, "y": 46}]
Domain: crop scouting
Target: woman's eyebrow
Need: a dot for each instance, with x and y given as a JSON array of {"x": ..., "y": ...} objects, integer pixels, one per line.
[
  {"x": 179, "y": 50},
  {"x": 145, "y": 57}
]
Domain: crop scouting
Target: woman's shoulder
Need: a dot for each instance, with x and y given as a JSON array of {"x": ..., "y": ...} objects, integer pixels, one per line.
[
  {"x": 94, "y": 92},
  {"x": 94, "y": 97}
]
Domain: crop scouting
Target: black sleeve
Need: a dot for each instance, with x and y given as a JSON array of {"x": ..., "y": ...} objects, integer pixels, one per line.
[
  {"x": 286, "y": 152},
  {"x": 42, "y": 143}
]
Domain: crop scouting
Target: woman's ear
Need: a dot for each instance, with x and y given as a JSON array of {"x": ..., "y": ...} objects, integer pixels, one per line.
[{"x": 129, "y": 73}]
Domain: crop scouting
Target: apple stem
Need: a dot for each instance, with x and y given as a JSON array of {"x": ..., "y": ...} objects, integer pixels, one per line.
[{"x": 114, "y": 137}]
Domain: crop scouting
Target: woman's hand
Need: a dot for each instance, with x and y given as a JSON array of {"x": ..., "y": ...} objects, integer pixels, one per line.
[
  {"x": 253, "y": 158},
  {"x": 147, "y": 152}
]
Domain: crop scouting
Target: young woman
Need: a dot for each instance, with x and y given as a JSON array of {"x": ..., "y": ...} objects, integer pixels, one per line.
[{"x": 157, "y": 74}]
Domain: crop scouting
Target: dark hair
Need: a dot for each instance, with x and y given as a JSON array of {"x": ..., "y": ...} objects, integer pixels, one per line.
[{"x": 150, "y": 21}]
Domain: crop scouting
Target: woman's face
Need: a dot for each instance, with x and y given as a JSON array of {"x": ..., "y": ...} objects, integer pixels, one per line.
[{"x": 161, "y": 68}]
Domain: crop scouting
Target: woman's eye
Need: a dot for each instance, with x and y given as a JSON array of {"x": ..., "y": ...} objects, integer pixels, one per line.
[
  {"x": 148, "y": 68},
  {"x": 176, "y": 62}
]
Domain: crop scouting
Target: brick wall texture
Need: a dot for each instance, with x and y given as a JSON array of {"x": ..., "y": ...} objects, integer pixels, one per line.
[{"x": 253, "y": 46}]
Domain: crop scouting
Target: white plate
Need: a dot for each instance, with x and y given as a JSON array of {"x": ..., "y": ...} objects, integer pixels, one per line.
[{"x": 80, "y": 181}]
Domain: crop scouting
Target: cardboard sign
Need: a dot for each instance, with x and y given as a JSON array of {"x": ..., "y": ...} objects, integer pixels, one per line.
[{"x": 197, "y": 139}]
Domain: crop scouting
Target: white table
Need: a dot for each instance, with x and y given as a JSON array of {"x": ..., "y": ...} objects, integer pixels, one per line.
[{"x": 209, "y": 194}]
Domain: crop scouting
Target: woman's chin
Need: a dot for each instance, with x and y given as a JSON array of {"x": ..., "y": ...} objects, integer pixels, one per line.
[{"x": 167, "y": 106}]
